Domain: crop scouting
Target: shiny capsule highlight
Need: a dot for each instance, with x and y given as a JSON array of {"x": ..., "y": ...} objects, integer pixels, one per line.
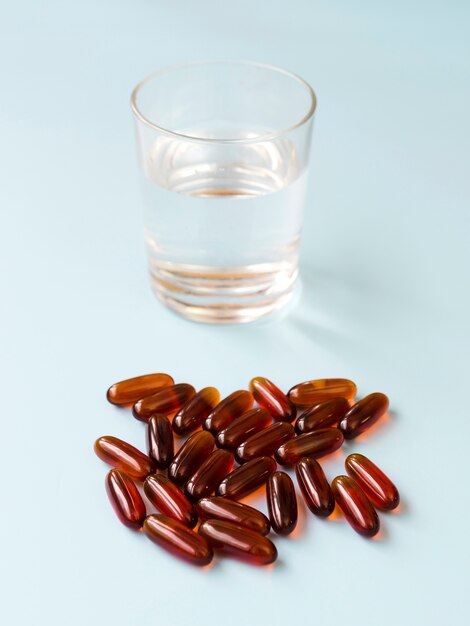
[{"x": 374, "y": 483}]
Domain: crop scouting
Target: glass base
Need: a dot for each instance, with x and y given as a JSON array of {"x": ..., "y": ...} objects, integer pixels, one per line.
[{"x": 224, "y": 296}]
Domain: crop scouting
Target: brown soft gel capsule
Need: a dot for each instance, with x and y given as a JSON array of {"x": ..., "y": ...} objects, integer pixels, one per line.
[
  {"x": 363, "y": 414},
  {"x": 167, "y": 401},
  {"x": 376, "y": 485},
  {"x": 125, "y": 499},
  {"x": 226, "y": 411},
  {"x": 231, "y": 511},
  {"x": 238, "y": 541},
  {"x": 209, "y": 475},
  {"x": 315, "y": 444},
  {"x": 356, "y": 508},
  {"x": 178, "y": 539},
  {"x": 322, "y": 415},
  {"x": 128, "y": 391},
  {"x": 315, "y": 391},
  {"x": 314, "y": 486},
  {"x": 269, "y": 396},
  {"x": 160, "y": 444},
  {"x": 242, "y": 427},
  {"x": 122, "y": 455},
  {"x": 266, "y": 442},
  {"x": 195, "y": 411},
  {"x": 282, "y": 503},
  {"x": 247, "y": 478},
  {"x": 190, "y": 456},
  {"x": 169, "y": 500}
]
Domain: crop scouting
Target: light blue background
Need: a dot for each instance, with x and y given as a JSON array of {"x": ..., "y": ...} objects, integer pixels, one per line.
[{"x": 385, "y": 301}]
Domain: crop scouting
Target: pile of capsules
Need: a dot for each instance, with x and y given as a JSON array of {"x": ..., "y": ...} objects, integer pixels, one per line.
[{"x": 181, "y": 486}]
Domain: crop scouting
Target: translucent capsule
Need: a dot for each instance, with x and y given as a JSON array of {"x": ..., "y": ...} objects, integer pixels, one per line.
[
  {"x": 160, "y": 445},
  {"x": 133, "y": 389},
  {"x": 242, "y": 427},
  {"x": 122, "y": 455},
  {"x": 322, "y": 415},
  {"x": 209, "y": 475},
  {"x": 315, "y": 444},
  {"x": 125, "y": 499},
  {"x": 190, "y": 456},
  {"x": 195, "y": 411},
  {"x": 167, "y": 401},
  {"x": 231, "y": 511},
  {"x": 363, "y": 414},
  {"x": 266, "y": 442},
  {"x": 247, "y": 478},
  {"x": 178, "y": 539},
  {"x": 316, "y": 391},
  {"x": 282, "y": 503},
  {"x": 273, "y": 399},
  {"x": 169, "y": 500},
  {"x": 356, "y": 508},
  {"x": 374, "y": 483},
  {"x": 238, "y": 541},
  {"x": 314, "y": 486},
  {"x": 226, "y": 411}
]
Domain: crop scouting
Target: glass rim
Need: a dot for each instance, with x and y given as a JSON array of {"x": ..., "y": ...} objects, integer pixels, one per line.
[{"x": 259, "y": 138}]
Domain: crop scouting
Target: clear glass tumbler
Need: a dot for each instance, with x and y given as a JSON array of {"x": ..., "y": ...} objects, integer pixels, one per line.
[{"x": 224, "y": 149}]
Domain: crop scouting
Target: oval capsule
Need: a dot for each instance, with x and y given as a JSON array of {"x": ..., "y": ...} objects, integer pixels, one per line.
[
  {"x": 242, "y": 427},
  {"x": 266, "y": 442},
  {"x": 315, "y": 444},
  {"x": 247, "y": 478},
  {"x": 374, "y": 483},
  {"x": 270, "y": 397},
  {"x": 195, "y": 411},
  {"x": 282, "y": 503},
  {"x": 238, "y": 541},
  {"x": 129, "y": 391},
  {"x": 169, "y": 500},
  {"x": 160, "y": 444},
  {"x": 209, "y": 474},
  {"x": 356, "y": 508},
  {"x": 226, "y": 411},
  {"x": 363, "y": 414},
  {"x": 323, "y": 415},
  {"x": 122, "y": 455},
  {"x": 189, "y": 457},
  {"x": 314, "y": 487},
  {"x": 167, "y": 401},
  {"x": 125, "y": 499},
  {"x": 217, "y": 507},
  {"x": 315, "y": 391},
  {"x": 178, "y": 539}
]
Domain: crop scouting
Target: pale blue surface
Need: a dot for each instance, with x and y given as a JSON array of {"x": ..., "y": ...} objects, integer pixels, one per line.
[{"x": 385, "y": 301}]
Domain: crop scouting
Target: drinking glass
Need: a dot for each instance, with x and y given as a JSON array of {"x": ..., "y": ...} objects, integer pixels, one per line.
[{"x": 223, "y": 150}]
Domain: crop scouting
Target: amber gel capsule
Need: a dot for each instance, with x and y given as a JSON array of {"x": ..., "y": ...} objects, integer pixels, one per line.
[
  {"x": 169, "y": 500},
  {"x": 242, "y": 427},
  {"x": 238, "y": 541},
  {"x": 125, "y": 499},
  {"x": 195, "y": 411},
  {"x": 374, "y": 483},
  {"x": 166, "y": 401},
  {"x": 226, "y": 411},
  {"x": 322, "y": 415},
  {"x": 266, "y": 442},
  {"x": 363, "y": 414},
  {"x": 178, "y": 539},
  {"x": 231, "y": 511},
  {"x": 190, "y": 456},
  {"x": 209, "y": 475},
  {"x": 282, "y": 503},
  {"x": 247, "y": 478},
  {"x": 314, "y": 486},
  {"x": 315, "y": 444},
  {"x": 273, "y": 399},
  {"x": 122, "y": 455},
  {"x": 315, "y": 391},
  {"x": 160, "y": 445},
  {"x": 356, "y": 508},
  {"x": 130, "y": 390}
]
